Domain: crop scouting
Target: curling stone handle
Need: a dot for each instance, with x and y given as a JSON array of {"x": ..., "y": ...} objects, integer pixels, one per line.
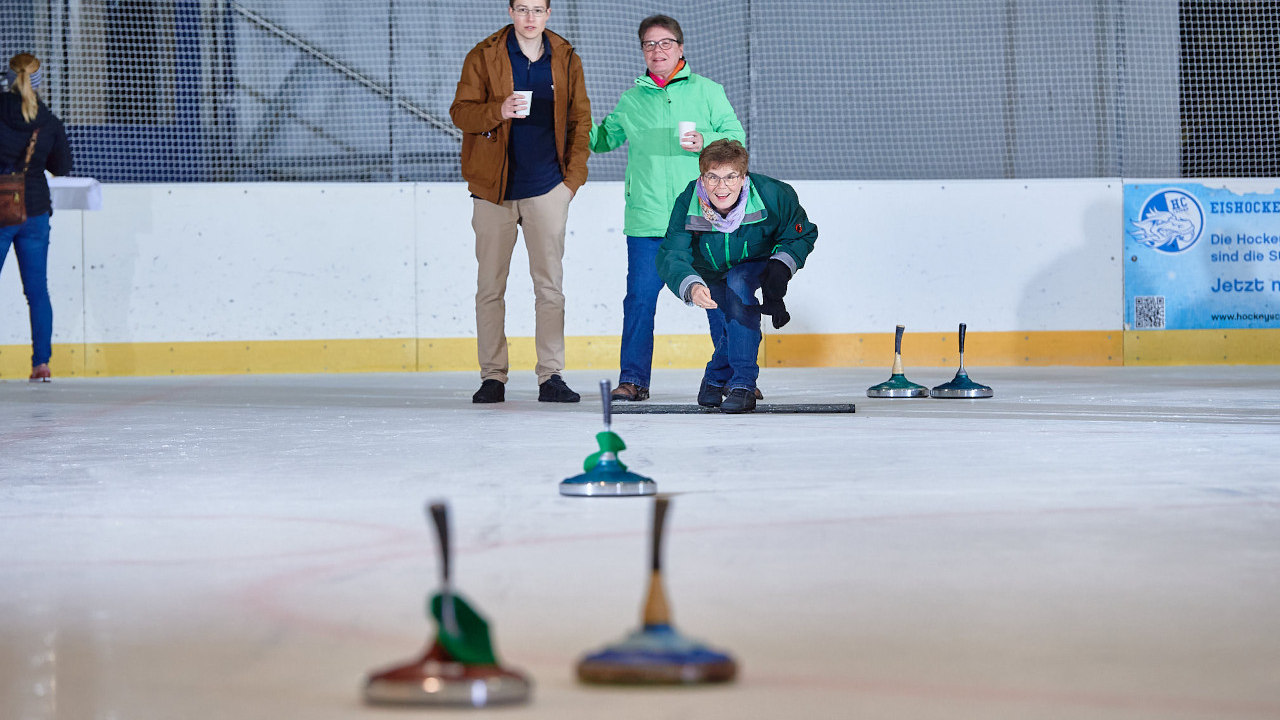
[
  {"x": 604, "y": 400},
  {"x": 659, "y": 519},
  {"x": 440, "y": 516},
  {"x": 962, "y": 326},
  {"x": 897, "y": 340},
  {"x": 657, "y": 611}
]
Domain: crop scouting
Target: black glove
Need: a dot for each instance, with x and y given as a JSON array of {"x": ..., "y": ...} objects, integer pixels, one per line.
[
  {"x": 773, "y": 287},
  {"x": 774, "y": 279},
  {"x": 780, "y": 316}
]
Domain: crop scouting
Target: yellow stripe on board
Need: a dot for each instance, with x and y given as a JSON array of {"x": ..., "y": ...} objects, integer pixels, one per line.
[
  {"x": 927, "y": 349},
  {"x": 1202, "y": 347},
  {"x": 250, "y": 356},
  {"x": 921, "y": 349},
  {"x": 15, "y": 361},
  {"x": 581, "y": 353}
]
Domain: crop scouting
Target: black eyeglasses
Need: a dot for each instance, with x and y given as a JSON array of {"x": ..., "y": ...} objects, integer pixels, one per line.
[
  {"x": 714, "y": 180},
  {"x": 665, "y": 44}
]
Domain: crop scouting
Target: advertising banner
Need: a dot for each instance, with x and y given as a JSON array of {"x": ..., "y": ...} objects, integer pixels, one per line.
[{"x": 1201, "y": 256}]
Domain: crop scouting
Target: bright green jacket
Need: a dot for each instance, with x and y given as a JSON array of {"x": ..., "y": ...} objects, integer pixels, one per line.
[
  {"x": 657, "y": 167},
  {"x": 774, "y": 225}
]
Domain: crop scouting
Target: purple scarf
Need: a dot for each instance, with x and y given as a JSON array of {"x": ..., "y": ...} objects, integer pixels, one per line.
[{"x": 727, "y": 223}]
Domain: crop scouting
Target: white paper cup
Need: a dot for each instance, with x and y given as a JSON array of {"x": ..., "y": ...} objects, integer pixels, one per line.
[
  {"x": 683, "y": 127},
  {"x": 528, "y": 102}
]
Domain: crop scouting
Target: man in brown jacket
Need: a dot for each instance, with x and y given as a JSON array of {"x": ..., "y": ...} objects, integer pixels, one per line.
[{"x": 523, "y": 161}]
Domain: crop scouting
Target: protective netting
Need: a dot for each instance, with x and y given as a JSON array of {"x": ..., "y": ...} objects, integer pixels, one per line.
[
  {"x": 1230, "y": 81},
  {"x": 249, "y": 90}
]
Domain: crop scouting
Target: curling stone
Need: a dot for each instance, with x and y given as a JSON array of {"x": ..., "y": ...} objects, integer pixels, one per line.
[
  {"x": 657, "y": 654},
  {"x": 460, "y": 668},
  {"x": 897, "y": 386},
  {"x": 604, "y": 475},
  {"x": 961, "y": 386}
]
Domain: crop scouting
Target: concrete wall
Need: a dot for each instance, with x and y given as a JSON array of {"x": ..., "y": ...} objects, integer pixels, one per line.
[{"x": 191, "y": 278}]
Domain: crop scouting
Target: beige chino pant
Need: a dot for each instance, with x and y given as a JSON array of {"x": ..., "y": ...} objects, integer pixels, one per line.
[{"x": 543, "y": 219}]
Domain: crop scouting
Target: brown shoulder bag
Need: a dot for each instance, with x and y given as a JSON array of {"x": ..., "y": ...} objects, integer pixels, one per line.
[{"x": 13, "y": 190}]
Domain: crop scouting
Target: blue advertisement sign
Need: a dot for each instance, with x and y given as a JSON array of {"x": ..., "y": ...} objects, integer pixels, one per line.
[{"x": 1200, "y": 257}]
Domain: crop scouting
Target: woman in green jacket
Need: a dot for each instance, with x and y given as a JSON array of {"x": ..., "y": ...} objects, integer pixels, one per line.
[
  {"x": 660, "y": 164},
  {"x": 731, "y": 234}
]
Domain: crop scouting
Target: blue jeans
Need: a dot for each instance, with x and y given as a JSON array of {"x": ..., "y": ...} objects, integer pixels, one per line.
[
  {"x": 30, "y": 242},
  {"x": 737, "y": 334},
  {"x": 638, "y": 307}
]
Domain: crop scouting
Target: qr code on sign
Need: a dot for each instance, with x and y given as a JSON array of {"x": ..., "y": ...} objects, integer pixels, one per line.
[{"x": 1148, "y": 312}]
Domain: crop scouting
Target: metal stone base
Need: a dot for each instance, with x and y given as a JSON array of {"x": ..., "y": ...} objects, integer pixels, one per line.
[
  {"x": 897, "y": 386},
  {"x": 608, "y": 488},
  {"x": 608, "y": 478},
  {"x": 879, "y": 392},
  {"x": 657, "y": 673},
  {"x": 961, "y": 387},
  {"x": 445, "y": 691},
  {"x": 978, "y": 391},
  {"x": 434, "y": 680},
  {"x": 657, "y": 655}
]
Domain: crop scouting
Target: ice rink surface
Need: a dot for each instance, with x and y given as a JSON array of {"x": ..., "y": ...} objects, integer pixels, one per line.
[{"x": 1099, "y": 543}]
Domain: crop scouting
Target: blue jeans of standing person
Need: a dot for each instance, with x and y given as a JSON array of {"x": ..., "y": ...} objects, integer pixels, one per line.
[
  {"x": 733, "y": 364},
  {"x": 638, "y": 308},
  {"x": 30, "y": 242}
]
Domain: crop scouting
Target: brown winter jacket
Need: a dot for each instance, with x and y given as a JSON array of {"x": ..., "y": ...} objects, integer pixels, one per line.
[{"x": 477, "y": 111}]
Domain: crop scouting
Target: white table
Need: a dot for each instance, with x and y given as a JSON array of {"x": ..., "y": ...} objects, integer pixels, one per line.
[{"x": 75, "y": 193}]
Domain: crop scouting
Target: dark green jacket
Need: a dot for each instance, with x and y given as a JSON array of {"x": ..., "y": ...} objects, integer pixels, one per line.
[{"x": 774, "y": 225}]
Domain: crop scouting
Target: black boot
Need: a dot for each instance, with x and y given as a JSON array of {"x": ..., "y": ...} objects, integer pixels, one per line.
[
  {"x": 491, "y": 391},
  {"x": 740, "y": 400},
  {"x": 554, "y": 390},
  {"x": 710, "y": 395}
]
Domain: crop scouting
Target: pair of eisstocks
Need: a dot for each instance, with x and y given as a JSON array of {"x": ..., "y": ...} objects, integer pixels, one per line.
[
  {"x": 459, "y": 668},
  {"x": 898, "y": 386}
]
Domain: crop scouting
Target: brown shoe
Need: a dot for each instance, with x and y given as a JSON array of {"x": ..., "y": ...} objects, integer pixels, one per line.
[
  {"x": 629, "y": 392},
  {"x": 759, "y": 395},
  {"x": 40, "y": 373}
]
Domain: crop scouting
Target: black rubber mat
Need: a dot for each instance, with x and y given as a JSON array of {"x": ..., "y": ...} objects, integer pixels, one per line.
[{"x": 644, "y": 408}]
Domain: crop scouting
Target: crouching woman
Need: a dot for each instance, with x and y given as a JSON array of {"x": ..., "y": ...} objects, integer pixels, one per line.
[{"x": 732, "y": 233}]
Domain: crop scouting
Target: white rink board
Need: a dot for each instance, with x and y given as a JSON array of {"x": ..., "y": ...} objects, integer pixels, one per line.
[
  {"x": 205, "y": 262},
  {"x": 281, "y": 261},
  {"x": 999, "y": 255},
  {"x": 595, "y": 269}
]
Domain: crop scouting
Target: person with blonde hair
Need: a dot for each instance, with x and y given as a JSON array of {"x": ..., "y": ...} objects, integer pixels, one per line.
[{"x": 27, "y": 124}]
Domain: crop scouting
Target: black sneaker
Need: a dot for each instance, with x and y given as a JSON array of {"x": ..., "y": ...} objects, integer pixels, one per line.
[
  {"x": 710, "y": 395},
  {"x": 740, "y": 400},
  {"x": 554, "y": 390},
  {"x": 491, "y": 391}
]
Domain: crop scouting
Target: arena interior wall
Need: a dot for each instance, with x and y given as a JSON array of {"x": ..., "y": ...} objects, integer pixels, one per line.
[{"x": 359, "y": 277}]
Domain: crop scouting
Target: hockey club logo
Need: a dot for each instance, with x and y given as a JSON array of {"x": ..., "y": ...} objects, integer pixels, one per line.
[{"x": 1172, "y": 221}]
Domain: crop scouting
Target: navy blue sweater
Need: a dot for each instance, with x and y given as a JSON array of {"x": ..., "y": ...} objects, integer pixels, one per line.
[
  {"x": 534, "y": 164},
  {"x": 53, "y": 152}
]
